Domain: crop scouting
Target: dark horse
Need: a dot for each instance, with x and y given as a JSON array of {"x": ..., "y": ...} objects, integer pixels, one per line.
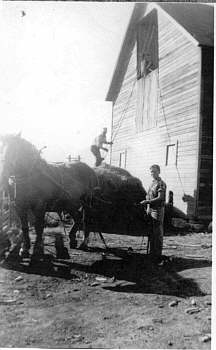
[{"x": 41, "y": 186}]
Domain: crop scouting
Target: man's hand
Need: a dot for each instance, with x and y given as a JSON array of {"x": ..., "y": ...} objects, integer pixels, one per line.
[
  {"x": 144, "y": 203},
  {"x": 148, "y": 210}
]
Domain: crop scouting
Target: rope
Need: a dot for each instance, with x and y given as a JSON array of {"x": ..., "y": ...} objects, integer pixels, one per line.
[
  {"x": 169, "y": 137},
  {"x": 124, "y": 111}
]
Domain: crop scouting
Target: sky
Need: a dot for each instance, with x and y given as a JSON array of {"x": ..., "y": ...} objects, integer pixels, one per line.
[{"x": 57, "y": 61}]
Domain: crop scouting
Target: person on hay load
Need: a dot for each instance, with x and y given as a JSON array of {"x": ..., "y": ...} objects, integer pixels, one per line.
[
  {"x": 155, "y": 203},
  {"x": 97, "y": 145}
]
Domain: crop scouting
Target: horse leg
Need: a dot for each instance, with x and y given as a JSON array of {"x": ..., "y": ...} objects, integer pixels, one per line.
[
  {"x": 84, "y": 244},
  {"x": 61, "y": 250},
  {"x": 86, "y": 231},
  {"x": 77, "y": 217},
  {"x": 38, "y": 251},
  {"x": 25, "y": 246},
  {"x": 72, "y": 235}
]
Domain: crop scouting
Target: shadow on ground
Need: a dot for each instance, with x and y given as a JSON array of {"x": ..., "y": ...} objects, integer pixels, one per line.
[
  {"x": 148, "y": 278},
  {"x": 46, "y": 267},
  {"x": 135, "y": 269}
]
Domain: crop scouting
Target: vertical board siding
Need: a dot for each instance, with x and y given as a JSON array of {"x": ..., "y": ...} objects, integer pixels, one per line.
[
  {"x": 179, "y": 81},
  {"x": 204, "y": 208},
  {"x": 147, "y": 101}
]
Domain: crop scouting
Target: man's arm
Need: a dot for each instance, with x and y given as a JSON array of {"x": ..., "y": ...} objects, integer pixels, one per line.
[
  {"x": 160, "y": 198},
  {"x": 105, "y": 149},
  {"x": 108, "y": 142}
]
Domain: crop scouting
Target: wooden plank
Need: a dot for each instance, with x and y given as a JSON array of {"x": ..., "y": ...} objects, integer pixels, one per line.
[{"x": 172, "y": 74}]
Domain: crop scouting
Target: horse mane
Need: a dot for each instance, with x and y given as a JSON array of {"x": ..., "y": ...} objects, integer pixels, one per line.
[
  {"x": 22, "y": 150},
  {"x": 18, "y": 140}
]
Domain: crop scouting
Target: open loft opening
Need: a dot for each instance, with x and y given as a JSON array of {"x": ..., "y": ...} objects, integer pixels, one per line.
[
  {"x": 147, "y": 45},
  {"x": 147, "y": 73}
]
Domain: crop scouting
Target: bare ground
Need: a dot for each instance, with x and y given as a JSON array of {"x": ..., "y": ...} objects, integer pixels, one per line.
[{"x": 63, "y": 304}]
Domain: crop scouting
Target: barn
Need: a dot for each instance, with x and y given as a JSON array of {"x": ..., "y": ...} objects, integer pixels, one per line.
[{"x": 162, "y": 101}]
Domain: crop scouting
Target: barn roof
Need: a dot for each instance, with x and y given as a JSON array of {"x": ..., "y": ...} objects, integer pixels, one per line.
[{"x": 197, "y": 20}]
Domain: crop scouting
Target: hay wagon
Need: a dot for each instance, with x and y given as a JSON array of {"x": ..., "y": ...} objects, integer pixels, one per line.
[
  {"x": 117, "y": 218},
  {"x": 114, "y": 208}
]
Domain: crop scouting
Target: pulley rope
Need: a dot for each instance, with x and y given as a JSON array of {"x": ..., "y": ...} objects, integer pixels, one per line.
[
  {"x": 169, "y": 137},
  {"x": 124, "y": 111}
]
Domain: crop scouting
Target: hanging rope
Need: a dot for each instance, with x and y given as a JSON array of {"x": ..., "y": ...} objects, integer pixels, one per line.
[
  {"x": 124, "y": 111},
  {"x": 169, "y": 137},
  {"x": 164, "y": 116}
]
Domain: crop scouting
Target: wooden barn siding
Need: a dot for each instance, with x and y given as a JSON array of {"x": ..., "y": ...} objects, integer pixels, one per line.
[
  {"x": 179, "y": 80},
  {"x": 205, "y": 178}
]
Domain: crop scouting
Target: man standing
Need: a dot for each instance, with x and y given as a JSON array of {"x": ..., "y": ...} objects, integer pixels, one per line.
[
  {"x": 155, "y": 202},
  {"x": 98, "y": 145}
]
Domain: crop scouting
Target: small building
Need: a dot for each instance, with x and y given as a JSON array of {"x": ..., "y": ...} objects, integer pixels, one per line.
[{"x": 162, "y": 98}]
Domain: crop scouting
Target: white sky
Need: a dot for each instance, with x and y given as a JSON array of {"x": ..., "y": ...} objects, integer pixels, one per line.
[{"x": 56, "y": 67}]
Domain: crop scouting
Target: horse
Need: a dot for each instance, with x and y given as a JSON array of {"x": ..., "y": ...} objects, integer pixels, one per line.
[{"x": 41, "y": 186}]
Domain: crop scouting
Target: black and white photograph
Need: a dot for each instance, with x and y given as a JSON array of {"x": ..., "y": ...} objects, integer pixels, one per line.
[{"x": 106, "y": 175}]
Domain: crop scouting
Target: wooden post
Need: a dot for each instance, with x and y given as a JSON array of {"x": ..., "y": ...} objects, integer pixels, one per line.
[{"x": 69, "y": 158}]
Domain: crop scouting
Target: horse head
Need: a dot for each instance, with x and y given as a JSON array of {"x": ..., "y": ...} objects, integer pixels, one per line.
[{"x": 17, "y": 157}]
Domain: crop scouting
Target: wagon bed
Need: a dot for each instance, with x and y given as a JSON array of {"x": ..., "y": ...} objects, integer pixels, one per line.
[{"x": 118, "y": 219}]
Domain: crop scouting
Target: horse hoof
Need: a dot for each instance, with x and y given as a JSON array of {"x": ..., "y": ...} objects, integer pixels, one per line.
[
  {"x": 63, "y": 254},
  {"x": 38, "y": 253},
  {"x": 35, "y": 258}
]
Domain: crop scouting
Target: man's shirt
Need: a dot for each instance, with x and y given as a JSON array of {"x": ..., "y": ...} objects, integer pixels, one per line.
[
  {"x": 157, "y": 209},
  {"x": 100, "y": 140}
]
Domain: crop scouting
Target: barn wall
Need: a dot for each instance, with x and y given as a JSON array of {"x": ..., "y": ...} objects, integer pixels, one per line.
[
  {"x": 205, "y": 178},
  {"x": 179, "y": 81},
  {"x": 179, "y": 85}
]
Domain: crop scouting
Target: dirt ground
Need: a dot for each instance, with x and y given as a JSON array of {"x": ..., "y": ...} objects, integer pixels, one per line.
[{"x": 114, "y": 299}]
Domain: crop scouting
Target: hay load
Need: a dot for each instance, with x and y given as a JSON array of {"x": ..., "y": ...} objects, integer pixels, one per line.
[
  {"x": 118, "y": 185},
  {"x": 120, "y": 191}
]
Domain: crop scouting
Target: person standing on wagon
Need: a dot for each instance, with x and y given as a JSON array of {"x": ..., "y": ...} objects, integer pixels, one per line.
[
  {"x": 155, "y": 202},
  {"x": 97, "y": 145}
]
